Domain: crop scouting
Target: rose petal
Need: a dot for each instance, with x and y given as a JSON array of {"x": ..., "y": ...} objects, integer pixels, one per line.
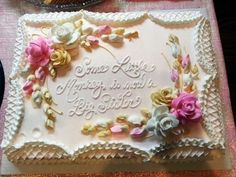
[
  {"x": 75, "y": 36},
  {"x": 69, "y": 26}
]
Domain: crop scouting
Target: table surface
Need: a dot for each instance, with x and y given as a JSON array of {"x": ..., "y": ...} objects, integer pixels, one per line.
[
  {"x": 227, "y": 25},
  {"x": 10, "y": 10}
]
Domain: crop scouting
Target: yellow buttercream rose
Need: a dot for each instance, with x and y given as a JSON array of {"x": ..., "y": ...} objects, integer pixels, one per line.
[
  {"x": 60, "y": 57},
  {"x": 162, "y": 97}
]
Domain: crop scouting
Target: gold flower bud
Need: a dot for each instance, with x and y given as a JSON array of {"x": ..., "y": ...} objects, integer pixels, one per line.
[
  {"x": 119, "y": 31},
  {"x": 163, "y": 97},
  {"x": 131, "y": 35},
  {"x": 49, "y": 124},
  {"x": 173, "y": 39},
  {"x": 88, "y": 129},
  {"x": 31, "y": 77},
  {"x": 52, "y": 71},
  {"x": 104, "y": 133},
  {"x": 146, "y": 113},
  {"x": 46, "y": 95},
  {"x": 176, "y": 65},
  {"x": 121, "y": 119},
  {"x": 86, "y": 45},
  {"x": 60, "y": 57}
]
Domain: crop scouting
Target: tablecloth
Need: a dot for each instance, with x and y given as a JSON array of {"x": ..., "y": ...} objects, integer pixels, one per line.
[{"x": 10, "y": 10}]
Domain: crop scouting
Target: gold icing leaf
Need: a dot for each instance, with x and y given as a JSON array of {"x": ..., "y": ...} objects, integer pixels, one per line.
[
  {"x": 88, "y": 129},
  {"x": 78, "y": 23},
  {"x": 121, "y": 119},
  {"x": 146, "y": 113},
  {"x": 119, "y": 31},
  {"x": 176, "y": 65},
  {"x": 49, "y": 124},
  {"x": 46, "y": 95},
  {"x": 60, "y": 57},
  {"x": 194, "y": 69},
  {"x": 163, "y": 97},
  {"x": 86, "y": 45},
  {"x": 195, "y": 72},
  {"x": 52, "y": 71},
  {"x": 131, "y": 35},
  {"x": 49, "y": 112},
  {"x": 173, "y": 39},
  {"x": 104, "y": 133}
]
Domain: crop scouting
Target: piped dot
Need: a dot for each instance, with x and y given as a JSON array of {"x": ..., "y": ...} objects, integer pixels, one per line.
[{"x": 36, "y": 133}]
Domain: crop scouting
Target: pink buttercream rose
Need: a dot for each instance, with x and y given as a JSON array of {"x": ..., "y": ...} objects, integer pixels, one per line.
[
  {"x": 186, "y": 108},
  {"x": 38, "y": 52}
]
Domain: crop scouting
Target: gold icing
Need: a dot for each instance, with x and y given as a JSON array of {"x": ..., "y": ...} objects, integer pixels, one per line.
[
  {"x": 104, "y": 133},
  {"x": 52, "y": 71},
  {"x": 146, "y": 113},
  {"x": 88, "y": 129},
  {"x": 162, "y": 97},
  {"x": 60, "y": 57}
]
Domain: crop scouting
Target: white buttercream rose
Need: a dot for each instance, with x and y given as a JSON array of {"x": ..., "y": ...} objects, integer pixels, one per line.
[
  {"x": 65, "y": 34},
  {"x": 162, "y": 122}
]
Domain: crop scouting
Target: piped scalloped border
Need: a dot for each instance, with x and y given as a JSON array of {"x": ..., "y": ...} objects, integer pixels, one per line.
[{"x": 13, "y": 119}]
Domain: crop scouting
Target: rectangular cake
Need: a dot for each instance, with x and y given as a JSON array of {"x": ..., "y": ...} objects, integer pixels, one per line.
[{"x": 139, "y": 86}]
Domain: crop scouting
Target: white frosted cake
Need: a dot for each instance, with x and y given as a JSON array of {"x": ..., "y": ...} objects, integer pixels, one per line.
[{"x": 139, "y": 86}]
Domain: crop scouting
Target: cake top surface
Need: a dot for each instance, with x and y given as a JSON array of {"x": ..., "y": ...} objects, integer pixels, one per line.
[{"x": 139, "y": 81}]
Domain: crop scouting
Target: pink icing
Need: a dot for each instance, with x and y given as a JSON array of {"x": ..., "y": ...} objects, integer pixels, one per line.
[
  {"x": 185, "y": 61},
  {"x": 40, "y": 74},
  {"x": 38, "y": 52},
  {"x": 28, "y": 87},
  {"x": 174, "y": 75},
  {"x": 105, "y": 29},
  {"x": 92, "y": 40},
  {"x": 137, "y": 132},
  {"x": 117, "y": 129},
  {"x": 186, "y": 108}
]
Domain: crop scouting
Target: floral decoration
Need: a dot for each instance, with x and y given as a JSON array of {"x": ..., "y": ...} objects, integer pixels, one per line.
[
  {"x": 46, "y": 55},
  {"x": 186, "y": 108},
  {"x": 173, "y": 107},
  {"x": 163, "y": 96},
  {"x": 162, "y": 121}
]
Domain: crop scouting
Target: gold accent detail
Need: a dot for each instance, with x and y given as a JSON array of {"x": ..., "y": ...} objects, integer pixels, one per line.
[
  {"x": 121, "y": 119},
  {"x": 104, "y": 133},
  {"x": 131, "y": 35},
  {"x": 162, "y": 97},
  {"x": 60, "y": 57},
  {"x": 167, "y": 61},
  {"x": 173, "y": 39},
  {"x": 146, "y": 113},
  {"x": 52, "y": 71},
  {"x": 88, "y": 129},
  {"x": 86, "y": 45}
]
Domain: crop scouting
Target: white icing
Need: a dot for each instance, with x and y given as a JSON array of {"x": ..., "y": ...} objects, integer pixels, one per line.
[{"x": 20, "y": 150}]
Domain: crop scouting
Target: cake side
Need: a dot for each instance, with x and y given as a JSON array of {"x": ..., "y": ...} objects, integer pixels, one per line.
[{"x": 186, "y": 148}]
